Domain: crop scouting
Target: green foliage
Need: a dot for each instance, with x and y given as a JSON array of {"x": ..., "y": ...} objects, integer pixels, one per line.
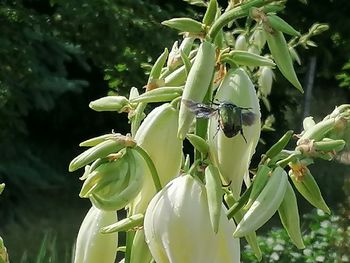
[
  {"x": 48, "y": 252},
  {"x": 326, "y": 238},
  {"x": 32, "y": 71},
  {"x": 344, "y": 76},
  {"x": 47, "y": 49}
]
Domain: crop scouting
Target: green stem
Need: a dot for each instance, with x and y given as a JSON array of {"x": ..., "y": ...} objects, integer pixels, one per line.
[
  {"x": 151, "y": 167},
  {"x": 283, "y": 163},
  {"x": 202, "y": 124},
  {"x": 239, "y": 204},
  {"x": 192, "y": 170},
  {"x": 137, "y": 118},
  {"x": 175, "y": 102},
  {"x": 129, "y": 240},
  {"x": 233, "y": 14}
]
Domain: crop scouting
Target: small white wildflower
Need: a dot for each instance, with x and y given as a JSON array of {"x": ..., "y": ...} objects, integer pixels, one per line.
[
  {"x": 307, "y": 252},
  {"x": 325, "y": 224},
  {"x": 345, "y": 258},
  {"x": 278, "y": 247},
  {"x": 320, "y": 212},
  {"x": 274, "y": 256},
  {"x": 320, "y": 258}
]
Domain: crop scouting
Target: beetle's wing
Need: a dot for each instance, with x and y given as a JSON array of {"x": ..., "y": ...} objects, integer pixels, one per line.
[
  {"x": 248, "y": 118},
  {"x": 201, "y": 110}
]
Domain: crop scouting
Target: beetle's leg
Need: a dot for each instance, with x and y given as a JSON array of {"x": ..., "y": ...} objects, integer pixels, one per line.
[
  {"x": 241, "y": 131},
  {"x": 217, "y": 130}
]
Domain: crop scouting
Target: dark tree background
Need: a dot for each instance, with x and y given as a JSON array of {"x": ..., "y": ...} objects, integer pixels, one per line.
[{"x": 58, "y": 55}]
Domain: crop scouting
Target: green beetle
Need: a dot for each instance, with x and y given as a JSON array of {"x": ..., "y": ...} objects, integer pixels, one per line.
[{"x": 231, "y": 117}]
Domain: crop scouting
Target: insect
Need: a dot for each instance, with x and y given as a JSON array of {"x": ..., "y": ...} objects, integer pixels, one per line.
[{"x": 231, "y": 117}]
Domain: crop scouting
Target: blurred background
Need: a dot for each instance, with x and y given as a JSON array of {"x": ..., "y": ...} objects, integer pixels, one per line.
[{"x": 56, "y": 56}]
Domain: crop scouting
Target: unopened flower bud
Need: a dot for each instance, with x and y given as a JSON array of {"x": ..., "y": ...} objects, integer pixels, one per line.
[
  {"x": 307, "y": 186},
  {"x": 110, "y": 103},
  {"x": 113, "y": 185},
  {"x": 232, "y": 155},
  {"x": 178, "y": 228},
  {"x": 91, "y": 245},
  {"x": 157, "y": 135}
]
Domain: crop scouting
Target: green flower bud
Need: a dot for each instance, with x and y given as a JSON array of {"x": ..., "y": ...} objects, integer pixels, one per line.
[
  {"x": 197, "y": 84},
  {"x": 251, "y": 237},
  {"x": 232, "y": 155},
  {"x": 157, "y": 135},
  {"x": 198, "y": 143},
  {"x": 341, "y": 130},
  {"x": 318, "y": 131},
  {"x": 177, "y": 77},
  {"x": 289, "y": 215},
  {"x": 327, "y": 145},
  {"x": 279, "y": 24},
  {"x": 259, "y": 182},
  {"x": 213, "y": 186},
  {"x": 125, "y": 224},
  {"x": 247, "y": 58},
  {"x": 101, "y": 150},
  {"x": 110, "y": 103},
  {"x": 279, "y": 50},
  {"x": 160, "y": 94},
  {"x": 115, "y": 184},
  {"x": 97, "y": 140},
  {"x": 153, "y": 79},
  {"x": 294, "y": 55},
  {"x": 182, "y": 206},
  {"x": 210, "y": 14},
  {"x": 185, "y": 25},
  {"x": 265, "y": 205},
  {"x": 280, "y": 145},
  {"x": 307, "y": 186},
  {"x": 91, "y": 245}
]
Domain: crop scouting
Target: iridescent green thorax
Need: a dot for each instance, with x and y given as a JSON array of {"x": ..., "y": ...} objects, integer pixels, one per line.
[{"x": 230, "y": 119}]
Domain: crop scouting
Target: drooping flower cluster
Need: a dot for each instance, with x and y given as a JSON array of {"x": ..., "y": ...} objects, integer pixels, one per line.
[{"x": 183, "y": 211}]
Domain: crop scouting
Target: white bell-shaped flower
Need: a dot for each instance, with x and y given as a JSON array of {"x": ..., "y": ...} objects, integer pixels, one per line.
[
  {"x": 91, "y": 245},
  {"x": 157, "y": 135},
  {"x": 178, "y": 229},
  {"x": 232, "y": 155}
]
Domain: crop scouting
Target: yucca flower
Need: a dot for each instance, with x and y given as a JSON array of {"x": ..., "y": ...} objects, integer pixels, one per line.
[
  {"x": 91, "y": 245},
  {"x": 178, "y": 228},
  {"x": 157, "y": 135},
  {"x": 232, "y": 155}
]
